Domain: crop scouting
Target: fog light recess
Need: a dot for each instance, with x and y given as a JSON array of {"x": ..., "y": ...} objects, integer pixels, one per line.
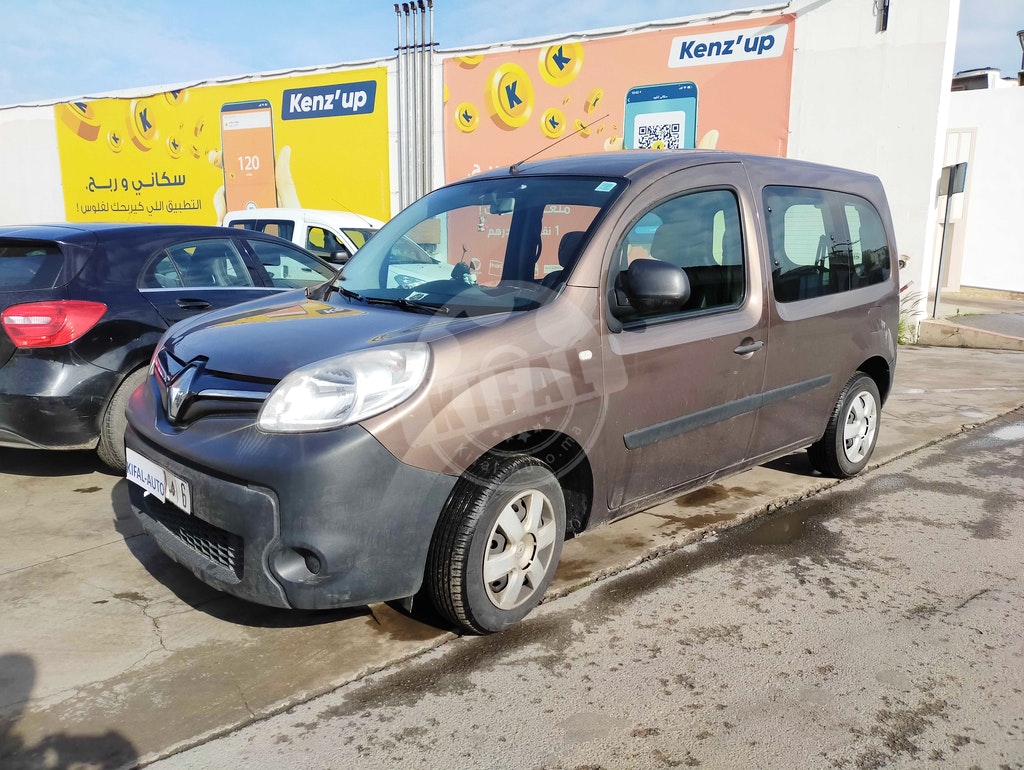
[{"x": 297, "y": 564}]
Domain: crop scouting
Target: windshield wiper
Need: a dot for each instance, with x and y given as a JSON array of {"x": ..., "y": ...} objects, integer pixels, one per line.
[
  {"x": 325, "y": 290},
  {"x": 349, "y": 293},
  {"x": 406, "y": 304}
]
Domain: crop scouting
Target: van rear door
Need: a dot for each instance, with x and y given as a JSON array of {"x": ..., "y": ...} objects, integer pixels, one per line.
[{"x": 834, "y": 295}]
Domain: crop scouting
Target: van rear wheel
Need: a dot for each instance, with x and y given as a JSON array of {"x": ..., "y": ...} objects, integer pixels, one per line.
[
  {"x": 497, "y": 543},
  {"x": 852, "y": 430}
]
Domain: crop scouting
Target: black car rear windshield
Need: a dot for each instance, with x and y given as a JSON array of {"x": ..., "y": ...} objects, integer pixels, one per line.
[{"x": 29, "y": 265}]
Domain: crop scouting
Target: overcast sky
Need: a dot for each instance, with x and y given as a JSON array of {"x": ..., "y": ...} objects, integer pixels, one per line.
[{"x": 59, "y": 49}]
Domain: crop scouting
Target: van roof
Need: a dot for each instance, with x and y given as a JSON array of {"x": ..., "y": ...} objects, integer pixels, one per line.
[
  {"x": 338, "y": 219},
  {"x": 638, "y": 164}
]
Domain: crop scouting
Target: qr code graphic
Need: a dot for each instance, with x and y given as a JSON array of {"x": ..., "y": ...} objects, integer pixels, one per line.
[{"x": 659, "y": 136}]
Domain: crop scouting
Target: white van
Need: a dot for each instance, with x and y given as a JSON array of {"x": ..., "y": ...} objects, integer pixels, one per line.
[{"x": 331, "y": 235}]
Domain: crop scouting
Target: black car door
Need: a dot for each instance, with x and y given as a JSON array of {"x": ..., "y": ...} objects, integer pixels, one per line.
[{"x": 197, "y": 275}]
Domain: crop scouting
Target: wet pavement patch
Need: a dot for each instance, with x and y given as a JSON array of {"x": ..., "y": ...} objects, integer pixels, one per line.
[{"x": 1010, "y": 432}]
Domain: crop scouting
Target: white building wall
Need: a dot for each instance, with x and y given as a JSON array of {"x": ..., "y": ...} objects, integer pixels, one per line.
[
  {"x": 30, "y": 183},
  {"x": 876, "y": 101},
  {"x": 990, "y": 249}
]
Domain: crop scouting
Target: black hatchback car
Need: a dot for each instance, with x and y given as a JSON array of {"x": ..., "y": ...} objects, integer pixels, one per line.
[{"x": 83, "y": 305}]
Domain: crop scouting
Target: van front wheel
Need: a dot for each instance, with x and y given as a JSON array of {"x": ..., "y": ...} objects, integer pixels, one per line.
[
  {"x": 852, "y": 430},
  {"x": 497, "y": 543}
]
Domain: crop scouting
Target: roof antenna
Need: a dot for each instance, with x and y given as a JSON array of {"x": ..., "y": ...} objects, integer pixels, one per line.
[{"x": 514, "y": 168}]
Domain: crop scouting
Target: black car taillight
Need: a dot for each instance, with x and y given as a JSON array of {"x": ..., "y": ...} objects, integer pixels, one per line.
[{"x": 51, "y": 323}]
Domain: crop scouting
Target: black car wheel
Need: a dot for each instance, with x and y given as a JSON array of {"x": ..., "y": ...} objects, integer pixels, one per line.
[
  {"x": 852, "y": 430},
  {"x": 113, "y": 422},
  {"x": 497, "y": 543}
]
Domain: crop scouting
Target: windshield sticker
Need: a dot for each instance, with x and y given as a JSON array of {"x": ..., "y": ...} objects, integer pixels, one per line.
[
  {"x": 416, "y": 296},
  {"x": 605, "y": 187}
]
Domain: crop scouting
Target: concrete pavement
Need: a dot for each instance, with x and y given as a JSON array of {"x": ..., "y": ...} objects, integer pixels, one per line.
[
  {"x": 975, "y": 319},
  {"x": 111, "y": 653}
]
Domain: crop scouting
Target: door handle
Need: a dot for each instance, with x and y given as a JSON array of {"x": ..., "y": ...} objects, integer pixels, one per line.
[
  {"x": 748, "y": 346},
  {"x": 193, "y": 304}
]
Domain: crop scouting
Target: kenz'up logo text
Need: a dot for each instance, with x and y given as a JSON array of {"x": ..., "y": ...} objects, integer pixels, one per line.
[
  {"x": 329, "y": 101},
  {"x": 726, "y": 47}
]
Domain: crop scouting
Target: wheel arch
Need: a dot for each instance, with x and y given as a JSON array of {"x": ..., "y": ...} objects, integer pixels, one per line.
[
  {"x": 570, "y": 464},
  {"x": 131, "y": 366},
  {"x": 879, "y": 370}
]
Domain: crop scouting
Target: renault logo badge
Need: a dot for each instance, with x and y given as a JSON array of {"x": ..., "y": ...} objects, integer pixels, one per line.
[{"x": 179, "y": 392}]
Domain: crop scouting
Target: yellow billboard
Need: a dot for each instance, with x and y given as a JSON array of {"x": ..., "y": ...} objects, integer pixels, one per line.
[{"x": 191, "y": 155}]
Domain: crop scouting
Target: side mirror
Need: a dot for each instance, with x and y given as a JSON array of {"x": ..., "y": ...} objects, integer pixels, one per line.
[
  {"x": 339, "y": 257},
  {"x": 651, "y": 286}
]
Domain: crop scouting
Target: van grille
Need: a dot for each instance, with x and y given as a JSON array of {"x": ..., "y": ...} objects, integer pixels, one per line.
[{"x": 217, "y": 545}]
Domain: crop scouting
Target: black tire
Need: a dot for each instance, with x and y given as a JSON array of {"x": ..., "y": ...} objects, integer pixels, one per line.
[
  {"x": 852, "y": 430},
  {"x": 113, "y": 422},
  {"x": 476, "y": 527}
]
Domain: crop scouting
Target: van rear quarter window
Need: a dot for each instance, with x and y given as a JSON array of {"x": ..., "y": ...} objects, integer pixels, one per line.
[{"x": 823, "y": 242}]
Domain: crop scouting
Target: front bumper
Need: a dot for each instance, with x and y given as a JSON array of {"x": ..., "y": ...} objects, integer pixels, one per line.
[{"x": 308, "y": 521}]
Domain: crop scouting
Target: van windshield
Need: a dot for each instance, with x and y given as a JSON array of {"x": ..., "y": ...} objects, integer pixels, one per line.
[{"x": 482, "y": 246}]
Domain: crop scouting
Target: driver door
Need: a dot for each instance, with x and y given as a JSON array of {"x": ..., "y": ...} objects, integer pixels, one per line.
[{"x": 684, "y": 386}]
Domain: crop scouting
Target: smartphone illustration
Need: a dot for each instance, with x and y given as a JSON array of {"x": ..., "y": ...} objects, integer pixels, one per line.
[
  {"x": 662, "y": 116},
  {"x": 247, "y": 143}
]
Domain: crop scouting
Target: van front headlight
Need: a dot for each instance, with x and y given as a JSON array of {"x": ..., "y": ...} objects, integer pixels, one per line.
[{"x": 345, "y": 389}]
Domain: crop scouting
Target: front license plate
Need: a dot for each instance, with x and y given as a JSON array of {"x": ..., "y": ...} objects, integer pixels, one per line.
[{"x": 162, "y": 484}]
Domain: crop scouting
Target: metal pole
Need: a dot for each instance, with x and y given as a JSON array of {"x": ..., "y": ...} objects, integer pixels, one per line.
[
  {"x": 424, "y": 98},
  {"x": 430, "y": 102},
  {"x": 418, "y": 91},
  {"x": 415, "y": 92},
  {"x": 947, "y": 234},
  {"x": 399, "y": 102},
  {"x": 406, "y": 154}
]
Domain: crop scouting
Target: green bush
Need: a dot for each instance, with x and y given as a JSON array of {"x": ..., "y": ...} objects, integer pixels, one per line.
[{"x": 909, "y": 303}]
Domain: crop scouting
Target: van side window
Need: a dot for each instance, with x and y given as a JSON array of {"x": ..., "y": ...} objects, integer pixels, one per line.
[
  {"x": 280, "y": 228},
  {"x": 358, "y": 236},
  {"x": 823, "y": 242},
  {"x": 699, "y": 233},
  {"x": 323, "y": 242}
]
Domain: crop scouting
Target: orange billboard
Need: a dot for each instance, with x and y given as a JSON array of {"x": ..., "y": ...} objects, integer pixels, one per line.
[{"x": 724, "y": 85}]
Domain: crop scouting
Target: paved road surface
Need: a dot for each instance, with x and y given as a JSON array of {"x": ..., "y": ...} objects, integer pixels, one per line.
[
  {"x": 1010, "y": 324},
  {"x": 111, "y": 654},
  {"x": 877, "y": 625}
]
